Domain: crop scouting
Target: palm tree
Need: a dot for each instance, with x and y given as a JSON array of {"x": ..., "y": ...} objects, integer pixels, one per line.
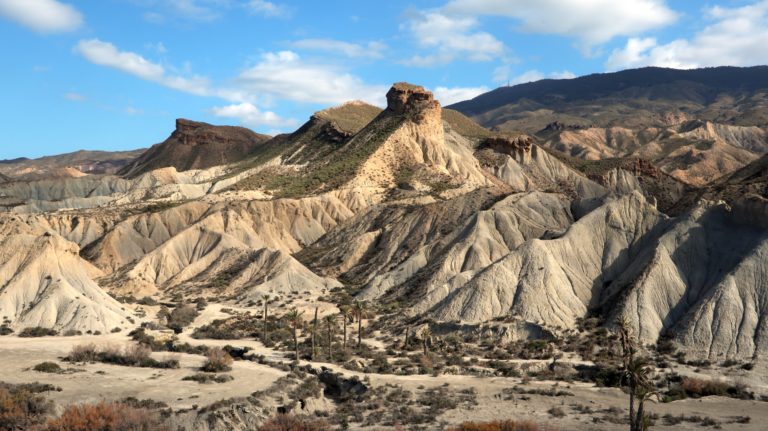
[
  {"x": 637, "y": 374},
  {"x": 361, "y": 311},
  {"x": 426, "y": 336},
  {"x": 330, "y": 322},
  {"x": 344, "y": 312},
  {"x": 266, "y": 329},
  {"x": 314, "y": 332},
  {"x": 294, "y": 316}
]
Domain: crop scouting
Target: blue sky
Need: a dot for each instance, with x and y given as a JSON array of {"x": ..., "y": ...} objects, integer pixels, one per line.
[{"x": 115, "y": 74}]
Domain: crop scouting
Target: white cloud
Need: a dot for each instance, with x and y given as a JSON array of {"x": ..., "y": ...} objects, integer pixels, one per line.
[
  {"x": 251, "y": 116},
  {"x": 74, "y": 97},
  {"x": 528, "y": 76},
  {"x": 352, "y": 50},
  {"x": 267, "y": 8},
  {"x": 592, "y": 22},
  {"x": 44, "y": 16},
  {"x": 535, "y": 75},
  {"x": 285, "y": 75},
  {"x": 736, "y": 37},
  {"x": 451, "y": 37},
  {"x": 565, "y": 74},
  {"x": 106, "y": 54},
  {"x": 448, "y": 96}
]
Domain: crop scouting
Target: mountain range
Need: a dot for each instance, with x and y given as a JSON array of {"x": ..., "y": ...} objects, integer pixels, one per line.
[{"x": 640, "y": 194}]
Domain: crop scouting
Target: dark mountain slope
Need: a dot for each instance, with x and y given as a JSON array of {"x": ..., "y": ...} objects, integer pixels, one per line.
[
  {"x": 639, "y": 97},
  {"x": 195, "y": 145}
]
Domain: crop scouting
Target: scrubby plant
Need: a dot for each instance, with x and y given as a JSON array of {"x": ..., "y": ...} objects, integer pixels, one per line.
[
  {"x": 21, "y": 407},
  {"x": 217, "y": 360}
]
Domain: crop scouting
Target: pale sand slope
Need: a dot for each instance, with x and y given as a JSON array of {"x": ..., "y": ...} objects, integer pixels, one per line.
[{"x": 44, "y": 282}]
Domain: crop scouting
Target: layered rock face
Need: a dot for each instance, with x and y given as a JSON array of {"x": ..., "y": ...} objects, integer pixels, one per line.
[{"x": 195, "y": 145}]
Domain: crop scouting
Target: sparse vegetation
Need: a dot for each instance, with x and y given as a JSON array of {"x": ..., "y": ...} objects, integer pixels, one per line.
[
  {"x": 134, "y": 355},
  {"x": 106, "y": 416},
  {"x": 505, "y": 425},
  {"x": 209, "y": 378},
  {"x": 37, "y": 331}
]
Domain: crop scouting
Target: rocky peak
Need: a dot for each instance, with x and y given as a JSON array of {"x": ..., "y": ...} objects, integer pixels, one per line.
[{"x": 412, "y": 100}]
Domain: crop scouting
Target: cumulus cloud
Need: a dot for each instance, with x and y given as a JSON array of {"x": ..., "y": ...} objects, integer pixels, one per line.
[
  {"x": 352, "y": 50},
  {"x": 735, "y": 37},
  {"x": 267, "y": 8},
  {"x": 592, "y": 22},
  {"x": 449, "y": 96},
  {"x": 529, "y": 76},
  {"x": 450, "y": 37},
  {"x": 249, "y": 115},
  {"x": 284, "y": 75},
  {"x": 108, "y": 55},
  {"x": 44, "y": 16}
]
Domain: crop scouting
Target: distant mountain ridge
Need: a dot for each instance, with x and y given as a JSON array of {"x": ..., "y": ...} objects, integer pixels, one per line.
[
  {"x": 606, "y": 99},
  {"x": 68, "y": 165}
]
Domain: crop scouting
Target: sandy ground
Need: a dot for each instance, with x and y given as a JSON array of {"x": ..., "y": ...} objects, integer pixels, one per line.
[
  {"x": 113, "y": 382},
  {"x": 110, "y": 382}
]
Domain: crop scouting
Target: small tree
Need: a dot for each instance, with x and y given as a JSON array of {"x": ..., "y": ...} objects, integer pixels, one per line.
[{"x": 294, "y": 317}]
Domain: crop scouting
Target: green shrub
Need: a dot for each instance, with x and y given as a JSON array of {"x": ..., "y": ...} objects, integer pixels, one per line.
[{"x": 48, "y": 367}]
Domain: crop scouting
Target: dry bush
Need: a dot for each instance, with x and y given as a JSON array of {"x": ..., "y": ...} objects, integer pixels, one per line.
[
  {"x": 294, "y": 423},
  {"x": 83, "y": 353},
  {"x": 701, "y": 388},
  {"x": 137, "y": 353},
  {"x": 217, "y": 361},
  {"x": 134, "y": 355},
  {"x": 21, "y": 409},
  {"x": 105, "y": 417},
  {"x": 506, "y": 425}
]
